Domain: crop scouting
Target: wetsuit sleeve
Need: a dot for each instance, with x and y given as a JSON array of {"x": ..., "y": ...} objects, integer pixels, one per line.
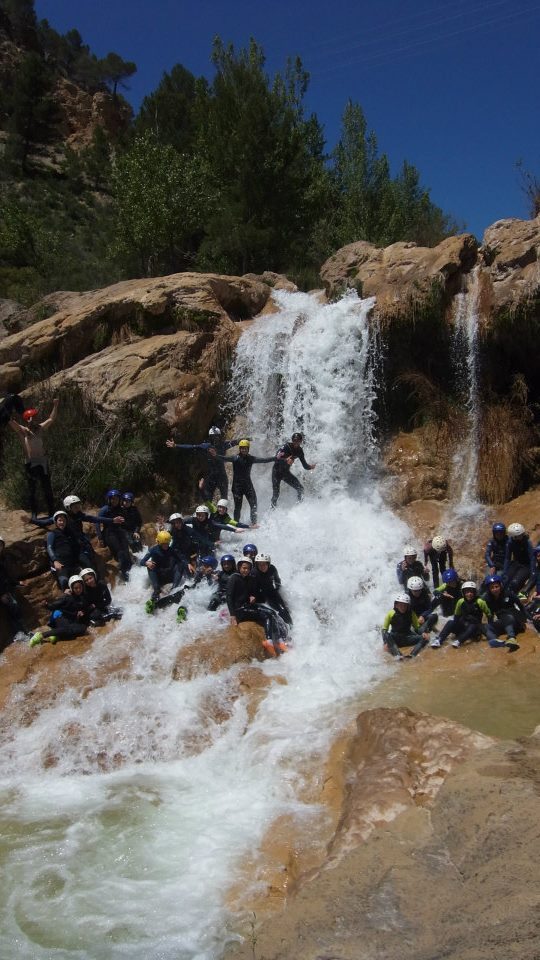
[
  {"x": 487, "y": 555},
  {"x": 400, "y": 573},
  {"x": 302, "y": 460},
  {"x": 101, "y": 518},
  {"x": 50, "y": 546},
  {"x": 388, "y": 620},
  {"x": 147, "y": 556},
  {"x": 42, "y": 523},
  {"x": 532, "y": 559},
  {"x": 507, "y": 555},
  {"x": 450, "y": 553}
]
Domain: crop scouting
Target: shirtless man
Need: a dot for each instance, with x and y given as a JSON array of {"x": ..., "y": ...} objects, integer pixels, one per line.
[{"x": 36, "y": 462}]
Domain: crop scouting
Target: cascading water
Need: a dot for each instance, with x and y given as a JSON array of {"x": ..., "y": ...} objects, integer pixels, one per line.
[
  {"x": 128, "y": 806},
  {"x": 465, "y": 362}
]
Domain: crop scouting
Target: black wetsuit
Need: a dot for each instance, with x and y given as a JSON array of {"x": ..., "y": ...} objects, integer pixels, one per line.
[
  {"x": 115, "y": 538},
  {"x": 132, "y": 526},
  {"x": 519, "y": 563},
  {"x": 281, "y": 471},
  {"x": 239, "y": 590},
  {"x": 439, "y": 561},
  {"x": 421, "y": 606},
  {"x": 69, "y": 625},
  {"x": 414, "y": 569},
  {"x": 242, "y": 484},
  {"x": 268, "y": 585},
  {"x": 169, "y": 567},
  {"x": 220, "y": 595},
  {"x": 64, "y": 547},
  {"x": 509, "y": 614}
]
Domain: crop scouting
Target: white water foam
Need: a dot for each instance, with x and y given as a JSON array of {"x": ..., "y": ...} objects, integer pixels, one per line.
[
  {"x": 126, "y": 810},
  {"x": 465, "y": 361}
]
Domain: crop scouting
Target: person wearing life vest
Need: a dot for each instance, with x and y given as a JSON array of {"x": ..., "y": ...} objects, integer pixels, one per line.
[
  {"x": 401, "y": 628},
  {"x": 466, "y": 624},
  {"x": 290, "y": 451}
]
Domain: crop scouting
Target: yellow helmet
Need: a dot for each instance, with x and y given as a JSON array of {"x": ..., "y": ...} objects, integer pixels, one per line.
[
  {"x": 244, "y": 443},
  {"x": 163, "y": 537}
]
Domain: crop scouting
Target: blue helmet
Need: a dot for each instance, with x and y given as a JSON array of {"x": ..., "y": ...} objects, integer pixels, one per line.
[
  {"x": 249, "y": 549},
  {"x": 449, "y": 575},
  {"x": 56, "y": 614},
  {"x": 128, "y": 496},
  {"x": 113, "y": 493},
  {"x": 499, "y": 528},
  {"x": 494, "y": 578},
  {"x": 227, "y": 558},
  {"x": 209, "y": 562}
]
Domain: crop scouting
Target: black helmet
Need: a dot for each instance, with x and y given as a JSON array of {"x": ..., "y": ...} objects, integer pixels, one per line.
[{"x": 298, "y": 437}]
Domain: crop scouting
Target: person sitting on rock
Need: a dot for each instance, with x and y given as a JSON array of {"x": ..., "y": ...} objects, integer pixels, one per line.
[
  {"x": 76, "y": 518},
  {"x": 243, "y": 606},
  {"x": 183, "y": 544},
  {"x": 163, "y": 565},
  {"x": 228, "y": 567},
  {"x": 466, "y": 624},
  {"x": 98, "y": 594},
  {"x": 508, "y": 613},
  {"x": 64, "y": 550},
  {"x": 421, "y": 600},
  {"x": 519, "y": 560},
  {"x": 70, "y": 615},
  {"x": 8, "y": 600},
  {"x": 204, "y": 530},
  {"x": 410, "y": 566},
  {"x": 401, "y": 628},
  {"x": 112, "y": 535},
  {"x": 438, "y": 551},
  {"x": 447, "y": 595},
  {"x": 268, "y": 584},
  {"x": 36, "y": 463},
  {"x": 220, "y": 512}
]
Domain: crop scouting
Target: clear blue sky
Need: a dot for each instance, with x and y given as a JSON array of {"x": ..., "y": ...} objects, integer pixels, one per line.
[{"x": 453, "y": 88}]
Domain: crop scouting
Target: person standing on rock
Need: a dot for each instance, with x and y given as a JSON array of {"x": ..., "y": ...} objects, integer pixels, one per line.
[
  {"x": 36, "y": 462},
  {"x": 215, "y": 475},
  {"x": 242, "y": 485},
  {"x": 281, "y": 471}
]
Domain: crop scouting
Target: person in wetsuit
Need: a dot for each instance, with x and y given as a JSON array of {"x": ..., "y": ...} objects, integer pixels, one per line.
[
  {"x": 243, "y": 606},
  {"x": 440, "y": 555},
  {"x": 267, "y": 585},
  {"x": 70, "y": 615},
  {"x": 401, "y": 628},
  {"x": 132, "y": 521},
  {"x": 215, "y": 475},
  {"x": 112, "y": 535},
  {"x": 410, "y": 566},
  {"x": 99, "y": 596},
  {"x": 163, "y": 564},
  {"x": 519, "y": 560},
  {"x": 242, "y": 484},
  {"x": 64, "y": 550},
  {"x": 228, "y": 567},
  {"x": 281, "y": 471},
  {"x": 508, "y": 612},
  {"x": 466, "y": 624}
]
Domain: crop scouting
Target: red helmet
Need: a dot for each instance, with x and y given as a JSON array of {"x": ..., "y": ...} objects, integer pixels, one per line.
[{"x": 29, "y": 414}]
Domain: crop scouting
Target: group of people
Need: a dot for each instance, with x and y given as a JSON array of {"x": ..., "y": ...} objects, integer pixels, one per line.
[
  {"x": 182, "y": 558},
  {"x": 497, "y": 609}
]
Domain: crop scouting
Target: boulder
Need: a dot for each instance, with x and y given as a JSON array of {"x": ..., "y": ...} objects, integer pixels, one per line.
[{"x": 511, "y": 253}]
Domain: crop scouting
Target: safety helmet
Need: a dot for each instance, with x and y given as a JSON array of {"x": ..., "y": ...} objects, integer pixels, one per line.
[
  {"x": 59, "y": 513},
  {"x": 249, "y": 549},
  {"x": 499, "y": 527},
  {"x": 163, "y": 537},
  {"x": 449, "y": 575},
  {"x": 71, "y": 501},
  {"x": 516, "y": 530},
  {"x": 415, "y": 583},
  {"x": 87, "y": 571},
  {"x": 76, "y": 579},
  {"x": 227, "y": 558},
  {"x": 29, "y": 414},
  {"x": 202, "y": 509},
  {"x": 223, "y": 503},
  {"x": 409, "y": 551},
  {"x": 209, "y": 562},
  {"x": 402, "y": 598},
  {"x": 113, "y": 493},
  {"x": 244, "y": 445},
  {"x": 494, "y": 578},
  {"x": 468, "y": 585},
  {"x": 297, "y": 437},
  {"x": 175, "y": 516},
  {"x": 128, "y": 496},
  {"x": 214, "y": 432},
  {"x": 244, "y": 560},
  {"x": 438, "y": 544},
  {"x": 262, "y": 558}
]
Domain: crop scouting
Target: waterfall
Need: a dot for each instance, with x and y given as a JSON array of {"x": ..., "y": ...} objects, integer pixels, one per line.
[
  {"x": 130, "y": 806},
  {"x": 465, "y": 369}
]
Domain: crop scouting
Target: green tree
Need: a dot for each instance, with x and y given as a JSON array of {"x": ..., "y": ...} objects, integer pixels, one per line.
[
  {"x": 264, "y": 159},
  {"x": 161, "y": 200},
  {"x": 31, "y": 107},
  {"x": 19, "y": 20},
  {"x": 168, "y": 111},
  {"x": 115, "y": 71}
]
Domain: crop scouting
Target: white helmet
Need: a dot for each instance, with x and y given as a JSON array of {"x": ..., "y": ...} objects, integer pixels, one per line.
[
  {"x": 438, "y": 544},
  {"x": 515, "y": 530},
  {"x": 415, "y": 583},
  {"x": 214, "y": 432},
  {"x": 402, "y": 598},
  {"x": 244, "y": 560},
  {"x": 203, "y": 509},
  {"x": 468, "y": 585},
  {"x": 223, "y": 503},
  {"x": 263, "y": 558},
  {"x": 175, "y": 516},
  {"x": 70, "y": 501},
  {"x": 409, "y": 551},
  {"x": 87, "y": 571},
  {"x": 59, "y": 513},
  {"x": 76, "y": 579}
]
